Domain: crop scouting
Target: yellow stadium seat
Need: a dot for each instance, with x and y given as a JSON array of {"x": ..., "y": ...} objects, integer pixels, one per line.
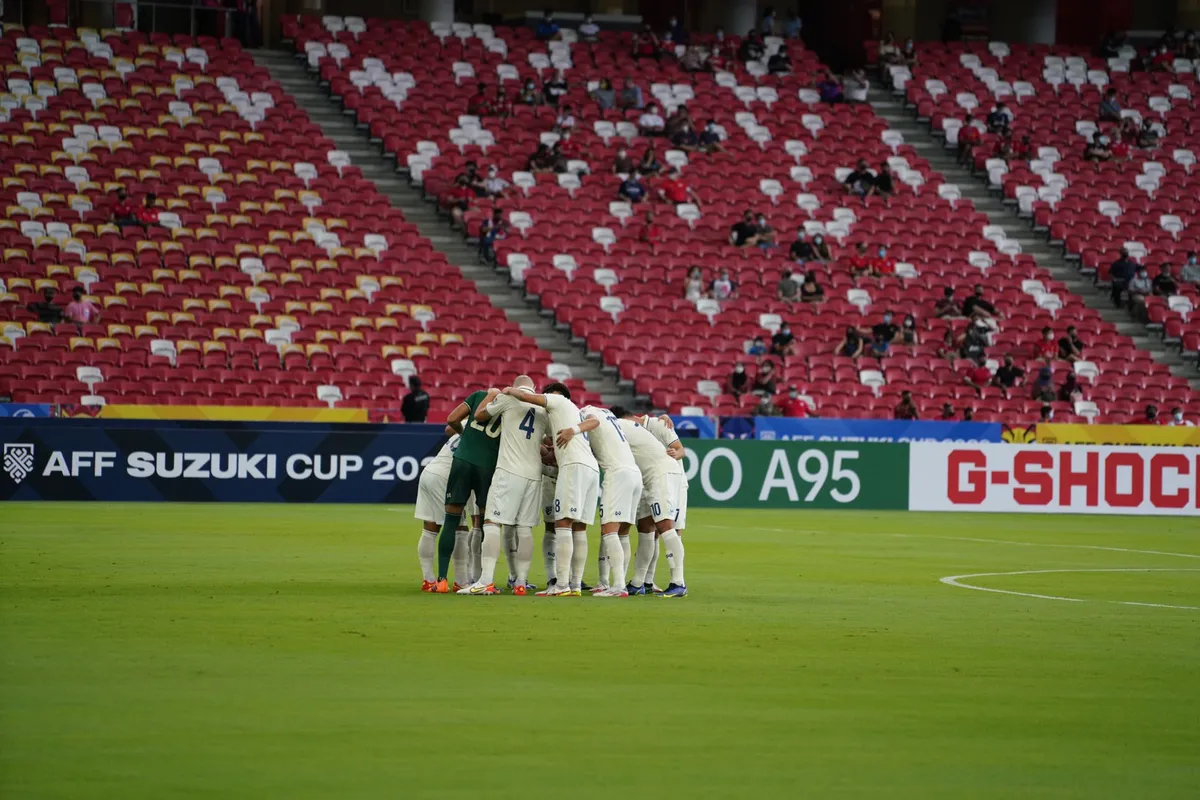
[
  {"x": 361, "y": 322},
  {"x": 396, "y": 310},
  {"x": 155, "y": 317},
  {"x": 393, "y": 351},
  {"x": 261, "y": 320},
  {"x": 286, "y": 319},
  {"x": 355, "y": 294},
  {"x": 112, "y": 300},
  {"x": 326, "y": 264},
  {"x": 386, "y": 281},
  {"x": 312, "y": 349},
  {"x": 172, "y": 247},
  {"x": 330, "y": 293},
  {"x": 424, "y": 337},
  {"x": 106, "y": 343},
  {"x": 289, "y": 278},
  {"x": 216, "y": 304},
  {"x": 415, "y": 308},
  {"x": 385, "y": 322},
  {"x": 249, "y": 333},
  {"x": 38, "y": 327},
  {"x": 186, "y": 345},
  {"x": 451, "y": 338},
  {"x": 224, "y": 333},
  {"x": 161, "y": 274},
  {"x": 159, "y": 161},
  {"x": 153, "y": 288},
  {"x": 326, "y": 336},
  {"x": 54, "y": 270},
  {"x": 225, "y": 290},
  {"x": 9, "y": 297},
  {"x": 145, "y": 330},
  {"x": 44, "y": 283},
  {"x": 288, "y": 349},
  {"x": 116, "y": 329},
  {"x": 415, "y": 350},
  {"x": 353, "y": 336},
  {"x": 225, "y": 262},
  {"x": 295, "y": 306},
  {"x": 194, "y": 302},
  {"x": 320, "y": 307},
  {"x": 82, "y": 343},
  {"x": 182, "y": 318}
]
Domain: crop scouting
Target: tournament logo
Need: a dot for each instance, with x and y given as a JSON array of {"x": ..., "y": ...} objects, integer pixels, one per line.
[{"x": 18, "y": 461}]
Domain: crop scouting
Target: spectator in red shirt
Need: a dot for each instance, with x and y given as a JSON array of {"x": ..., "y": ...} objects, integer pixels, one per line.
[
  {"x": 148, "y": 215},
  {"x": 1119, "y": 147},
  {"x": 948, "y": 412},
  {"x": 906, "y": 409},
  {"x": 477, "y": 104},
  {"x": 651, "y": 233},
  {"x": 646, "y": 44},
  {"x": 1151, "y": 417},
  {"x": 567, "y": 147},
  {"x": 860, "y": 262},
  {"x": 501, "y": 107},
  {"x": 794, "y": 405},
  {"x": 978, "y": 375},
  {"x": 1047, "y": 348},
  {"x": 883, "y": 264},
  {"x": 123, "y": 211},
  {"x": 458, "y": 200},
  {"x": 675, "y": 190},
  {"x": 1022, "y": 150},
  {"x": 968, "y": 137}
]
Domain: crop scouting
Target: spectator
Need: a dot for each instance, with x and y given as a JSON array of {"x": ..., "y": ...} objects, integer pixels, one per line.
[
  {"x": 477, "y": 104},
  {"x": 860, "y": 181},
  {"x": 857, "y": 87},
  {"x": 494, "y": 186},
  {"x": 768, "y": 21},
  {"x": 978, "y": 376},
  {"x": 1097, "y": 148},
  {"x": 1070, "y": 391},
  {"x": 490, "y": 232},
  {"x": 947, "y": 308},
  {"x": 1177, "y": 419},
  {"x": 851, "y": 345},
  {"x": 757, "y": 347},
  {"x": 675, "y": 190},
  {"x": 501, "y": 107},
  {"x": 1022, "y": 150},
  {"x": 723, "y": 287},
  {"x": 651, "y": 122},
  {"x": 1110, "y": 45},
  {"x": 766, "y": 234},
  {"x": 948, "y": 349},
  {"x": 415, "y": 406},
  {"x": 1070, "y": 347},
  {"x": 752, "y": 47},
  {"x": 889, "y": 51},
  {"x": 541, "y": 161},
  {"x": 974, "y": 342},
  {"x": 651, "y": 232},
  {"x": 780, "y": 63},
  {"x": 883, "y": 181},
  {"x": 80, "y": 310},
  {"x": 1047, "y": 349},
  {"x": 1190, "y": 48},
  {"x": 1008, "y": 376},
  {"x": 1164, "y": 283},
  {"x": 968, "y": 414},
  {"x": 788, "y": 288},
  {"x": 794, "y": 405},
  {"x": 1120, "y": 147},
  {"x": 1046, "y": 414},
  {"x": 1151, "y": 415},
  {"x": 1042, "y": 388},
  {"x": 604, "y": 95},
  {"x": 792, "y": 25},
  {"x": 631, "y": 96},
  {"x": 999, "y": 119},
  {"x": 47, "y": 310},
  {"x": 821, "y": 250},
  {"x": 766, "y": 407},
  {"x": 695, "y": 59},
  {"x": 678, "y": 33},
  {"x": 976, "y": 306},
  {"x": 710, "y": 138},
  {"x": 968, "y": 138},
  {"x": 529, "y": 94},
  {"x": 693, "y": 285},
  {"x": 717, "y": 61},
  {"x": 589, "y": 31},
  {"x": 948, "y": 413},
  {"x": 685, "y": 139},
  {"x": 1191, "y": 269},
  {"x": 909, "y": 52},
  {"x": 886, "y": 329},
  {"x": 147, "y": 215},
  {"x": 623, "y": 164},
  {"x": 882, "y": 264},
  {"x": 879, "y": 347},
  {"x": 830, "y": 90},
  {"x": 906, "y": 409},
  {"x": 547, "y": 28},
  {"x": 472, "y": 179},
  {"x": 860, "y": 262},
  {"x": 1140, "y": 288},
  {"x": 1147, "y": 136},
  {"x": 800, "y": 251},
  {"x": 649, "y": 165},
  {"x": 554, "y": 88},
  {"x": 1120, "y": 274},
  {"x": 565, "y": 121},
  {"x": 810, "y": 290},
  {"x": 738, "y": 382},
  {"x": 458, "y": 198},
  {"x": 1110, "y": 107},
  {"x": 1160, "y": 59},
  {"x": 909, "y": 335},
  {"x": 783, "y": 343},
  {"x": 1003, "y": 149},
  {"x": 646, "y": 43},
  {"x": 632, "y": 189},
  {"x": 676, "y": 120},
  {"x": 764, "y": 381},
  {"x": 123, "y": 211},
  {"x": 744, "y": 233}
]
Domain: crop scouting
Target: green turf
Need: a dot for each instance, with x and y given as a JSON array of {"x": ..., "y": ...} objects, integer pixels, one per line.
[{"x": 153, "y": 651}]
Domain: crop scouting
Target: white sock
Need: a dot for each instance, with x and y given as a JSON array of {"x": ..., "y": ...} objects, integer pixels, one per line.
[
  {"x": 476, "y": 544},
  {"x": 642, "y": 562},
  {"x": 548, "y": 555},
  {"x": 616, "y": 559},
  {"x": 489, "y": 553},
  {"x": 510, "y": 551},
  {"x": 427, "y": 555},
  {"x": 627, "y": 550},
  {"x": 524, "y": 554},
  {"x": 653, "y": 565},
  {"x": 602, "y": 561},
  {"x": 674, "y": 547},
  {"x": 578, "y": 558},
  {"x": 563, "y": 552},
  {"x": 461, "y": 557}
]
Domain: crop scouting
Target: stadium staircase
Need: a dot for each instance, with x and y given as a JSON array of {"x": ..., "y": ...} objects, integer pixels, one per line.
[
  {"x": 339, "y": 125},
  {"x": 920, "y": 134}
]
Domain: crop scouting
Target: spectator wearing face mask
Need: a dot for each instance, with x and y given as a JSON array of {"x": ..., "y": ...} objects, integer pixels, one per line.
[
  {"x": 685, "y": 139},
  {"x": 646, "y": 44},
  {"x": 649, "y": 165},
  {"x": 1140, "y": 288},
  {"x": 788, "y": 288},
  {"x": 766, "y": 407},
  {"x": 977, "y": 375},
  {"x": 860, "y": 262},
  {"x": 1097, "y": 148},
  {"x": 695, "y": 59},
  {"x": 489, "y": 232},
  {"x": 810, "y": 290},
  {"x": 801, "y": 250},
  {"x": 723, "y": 287},
  {"x": 1110, "y": 107},
  {"x": 1164, "y": 282},
  {"x": 1008, "y": 376},
  {"x": 947, "y": 307},
  {"x": 878, "y": 347},
  {"x": 1178, "y": 420},
  {"x": 857, "y": 87},
  {"x": 679, "y": 34},
  {"x": 604, "y": 95},
  {"x": 1047, "y": 348},
  {"x": 1042, "y": 388},
  {"x": 751, "y": 48},
  {"x": 794, "y": 405},
  {"x": 1070, "y": 391},
  {"x": 710, "y": 138},
  {"x": 1000, "y": 118},
  {"x": 565, "y": 121},
  {"x": 780, "y": 63},
  {"x": 547, "y": 28},
  {"x": 631, "y": 96},
  {"x": 1070, "y": 346},
  {"x": 554, "y": 88},
  {"x": 830, "y": 90},
  {"x": 851, "y": 345},
  {"x": 766, "y": 234},
  {"x": 948, "y": 348},
  {"x": 764, "y": 381},
  {"x": 974, "y": 342},
  {"x": 80, "y": 310},
  {"x": 622, "y": 164},
  {"x": 651, "y": 232},
  {"x": 977, "y": 306},
  {"x": 821, "y": 251},
  {"x": 860, "y": 181},
  {"x": 651, "y": 122},
  {"x": 783, "y": 343},
  {"x": 1190, "y": 273},
  {"x": 757, "y": 347},
  {"x": 1147, "y": 136},
  {"x": 477, "y": 104},
  {"x": 948, "y": 413},
  {"x": 906, "y": 409},
  {"x": 886, "y": 329},
  {"x": 969, "y": 138},
  {"x": 494, "y": 186},
  {"x": 909, "y": 335},
  {"x": 744, "y": 233},
  {"x": 47, "y": 310},
  {"x": 676, "y": 191},
  {"x": 530, "y": 95},
  {"x": 693, "y": 285},
  {"x": 882, "y": 264},
  {"x": 738, "y": 382},
  {"x": 883, "y": 181},
  {"x": 632, "y": 189},
  {"x": 1120, "y": 147},
  {"x": 1120, "y": 273}
]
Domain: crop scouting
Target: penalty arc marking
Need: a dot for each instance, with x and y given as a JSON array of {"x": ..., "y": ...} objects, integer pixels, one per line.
[{"x": 959, "y": 581}]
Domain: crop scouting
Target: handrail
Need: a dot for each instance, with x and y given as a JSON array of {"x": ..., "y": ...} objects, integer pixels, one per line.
[{"x": 197, "y": 11}]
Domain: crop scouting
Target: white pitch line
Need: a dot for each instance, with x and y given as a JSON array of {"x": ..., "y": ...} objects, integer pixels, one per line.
[
  {"x": 957, "y": 580},
  {"x": 1048, "y": 544}
]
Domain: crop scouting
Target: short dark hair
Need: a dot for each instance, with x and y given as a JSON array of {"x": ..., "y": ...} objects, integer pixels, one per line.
[
  {"x": 557, "y": 388},
  {"x": 620, "y": 412},
  {"x": 414, "y": 382}
]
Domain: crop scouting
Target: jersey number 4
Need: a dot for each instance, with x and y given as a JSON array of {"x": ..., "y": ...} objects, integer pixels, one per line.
[{"x": 527, "y": 424}]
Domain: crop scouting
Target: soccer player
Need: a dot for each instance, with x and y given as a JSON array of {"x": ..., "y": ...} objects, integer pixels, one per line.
[
  {"x": 470, "y": 473},
  {"x": 576, "y": 491},
  {"x": 516, "y": 492},
  {"x": 549, "y": 485},
  {"x": 661, "y": 476},
  {"x": 431, "y": 510},
  {"x": 663, "y": 429},
  {"x": 620, "y": 492}
]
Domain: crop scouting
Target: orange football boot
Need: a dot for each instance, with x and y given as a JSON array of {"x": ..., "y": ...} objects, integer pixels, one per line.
[{"x": 442, "y": 586}]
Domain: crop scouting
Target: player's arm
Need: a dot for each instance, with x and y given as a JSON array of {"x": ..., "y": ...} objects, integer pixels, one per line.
[
  {"x": 567, "y": 434},
  {"x": 527, "y": 397},
  {"x": 493, "y": 406},
  {"x": 455, "y": 420},
  {"x": 449, "y": 431}
]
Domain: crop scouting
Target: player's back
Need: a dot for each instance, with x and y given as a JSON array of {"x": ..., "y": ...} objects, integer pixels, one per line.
[
  {"x": 479, "y": 443},
  {"x": 607, "y": 441},
  {"x": 445, "y": 456},
  {"x": 648, "y": 452},
  {"x": 564, "y": 414},
  {"x": 522, "y": 429}
]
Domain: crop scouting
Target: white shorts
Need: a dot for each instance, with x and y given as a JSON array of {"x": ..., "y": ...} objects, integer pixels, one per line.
[
  {"x": 681, "y": 505},
  {"x": 548, "y": 487},
  {"x": 513, "y": 500},
  {"x": 431, "y": 499},
  {"x": 620, "y": 494},
  {"x": 659, "y": 495},
  {"x": 576, "y": 493}
]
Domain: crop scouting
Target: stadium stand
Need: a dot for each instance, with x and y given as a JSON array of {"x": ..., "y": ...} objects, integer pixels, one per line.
[
  {"x": 275, "y": 275},
  {"x": 584, "y": 256}
]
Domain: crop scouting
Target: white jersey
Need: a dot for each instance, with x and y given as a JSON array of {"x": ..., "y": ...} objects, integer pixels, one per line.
[
  {"x": 445, "y": 457},
  {"x": 648, "y": 452},
  {"x": 664, "y": 433},
  {"x": 564, "y": 414},
  {"x": 608, "y": 442},
  {"x": 522, "y": 429}
]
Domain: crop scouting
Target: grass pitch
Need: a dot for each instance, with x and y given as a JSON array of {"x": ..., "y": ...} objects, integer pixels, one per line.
[{"x": 153, "y": 651}]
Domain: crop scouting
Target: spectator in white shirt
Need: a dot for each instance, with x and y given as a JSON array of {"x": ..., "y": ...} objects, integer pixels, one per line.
[
  {"x": 651, "y": 123},
  {"x": 565, "y": 120},
  {"x": 589, "y": 31},
  {"x": 494, "y": 185},
  {"x": 1177, "y": 419},
  {"x": 857, "y": 86}
]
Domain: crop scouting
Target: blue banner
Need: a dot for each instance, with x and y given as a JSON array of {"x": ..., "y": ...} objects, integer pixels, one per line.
[
  {"x": 153, "y": 460},
  {"x": 694, "y": 427},
  {"x": 26, "y": 410},
  {"x": 873, "y": 430}
]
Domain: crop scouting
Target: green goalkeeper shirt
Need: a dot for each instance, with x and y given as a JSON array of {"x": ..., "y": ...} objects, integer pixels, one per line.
[{"x": 480, "y": 443}]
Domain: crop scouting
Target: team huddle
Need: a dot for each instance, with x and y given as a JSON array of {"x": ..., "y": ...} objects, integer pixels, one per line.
[{"x": 515, "y": 455}]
